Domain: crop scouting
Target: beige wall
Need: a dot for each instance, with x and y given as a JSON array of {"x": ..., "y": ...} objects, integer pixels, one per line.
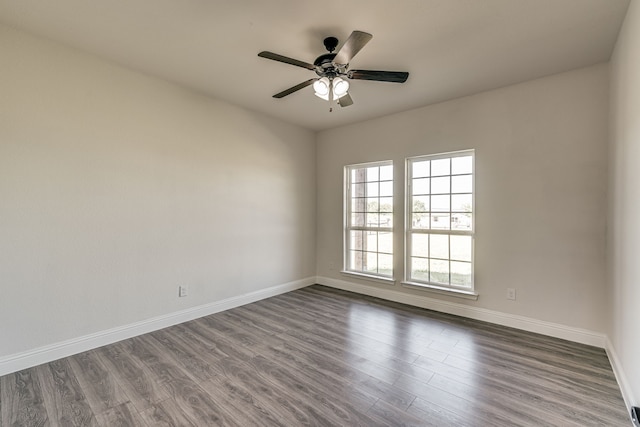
[
  {"x": 624, "y": 202},
  {"x": 116, "y": 187},
  {"x": 541, "y": 151}
]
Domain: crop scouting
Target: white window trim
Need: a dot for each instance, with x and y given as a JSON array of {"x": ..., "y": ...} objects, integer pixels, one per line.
[
  {"x": 442, "y": 290},
  {"x": 380, "y": 279},
  {"x": 453, "y": 290},
  {"x": 347, "y": 227}
]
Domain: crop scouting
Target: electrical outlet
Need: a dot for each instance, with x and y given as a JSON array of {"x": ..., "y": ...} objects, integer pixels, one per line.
[
  {"x": 511, "y": 294},
  {"x": 183, "y": 291}
]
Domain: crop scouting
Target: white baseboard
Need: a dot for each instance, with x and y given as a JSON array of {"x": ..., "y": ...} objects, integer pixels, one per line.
[
  {"x": 556, "y": 330},
  {"x": 625, "y": 388},
  {"x": 27, "y": 359}
]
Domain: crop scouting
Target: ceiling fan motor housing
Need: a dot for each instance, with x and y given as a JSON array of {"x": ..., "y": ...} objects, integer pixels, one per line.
[{"x": 325, "y": 67}]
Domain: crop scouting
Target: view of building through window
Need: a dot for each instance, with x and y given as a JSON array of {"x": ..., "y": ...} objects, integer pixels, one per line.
[{"x": 369, "y": 221}]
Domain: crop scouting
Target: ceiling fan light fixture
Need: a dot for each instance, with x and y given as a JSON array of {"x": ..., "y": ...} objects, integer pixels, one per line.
[
  {"x": 340, "y": 87},
  {"x": 322, "y": 87}
]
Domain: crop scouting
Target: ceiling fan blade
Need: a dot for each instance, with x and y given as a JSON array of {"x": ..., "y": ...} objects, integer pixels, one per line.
[
  {"x": 356, "y": 41},
  {"x": 381, "y": 76},
  {"x": 345, "y": 101},
  {"x": 286, "y": 60},
  {"x": 294, "y": 88}
]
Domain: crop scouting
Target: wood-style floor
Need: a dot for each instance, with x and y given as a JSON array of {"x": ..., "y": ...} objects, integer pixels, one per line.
[{"x": 322, "y": 357}]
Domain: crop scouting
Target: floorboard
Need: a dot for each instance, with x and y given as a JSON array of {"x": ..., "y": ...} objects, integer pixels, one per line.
[{"x": 322, "y": 357}]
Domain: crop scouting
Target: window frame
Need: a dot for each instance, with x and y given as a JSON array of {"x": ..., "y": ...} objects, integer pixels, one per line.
[
  {"x": 348, "y": 227},
  {"x": 410, "y": 230}
]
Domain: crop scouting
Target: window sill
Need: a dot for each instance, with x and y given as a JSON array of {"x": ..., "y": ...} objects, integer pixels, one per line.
[
  {"x": 458, "y": 293},
  {"x": 379, "y": 279}
]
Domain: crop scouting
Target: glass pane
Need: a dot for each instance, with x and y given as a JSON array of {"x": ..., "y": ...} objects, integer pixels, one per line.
[
  {"x": 386, "y": 188},
  {"x": 385, "y": 242},
  {"x": 461, "y": 248},
  {"x": 357, "y": 219},
  {"x": 371, "y": 241},
  {"x": 461, "y": 221},
  {"x": 421, "y": 186},
  {"x": 386, "y": 220},
  {"x": 439, "y": 246},
  {"x": 372, "y": 204},
  {"x": 461, "y": 273},
  {"x": 385, "y": 264},
  {"x": 420, "y": 269},
  {"x": 358, "y": 204},
  {"x": 420, "y": 245},
  {"x": 420, "y": 204},
  {"x": 441, "y": 221},
  {"x": 372, "y": 262},
  {"x": 461, "y": 165},
  {"x": 357, "y": 190},
  {"x": 372, "y": 189},
  {"x": 420, "y": 169},
  {"x": 370, "y": 251},
  {"x": 356, "y": 260},
  {"x": 440, "y": 203},
  {"x": 420, "y": 220},
  {"x": 356, "y": 240},
  {"x": 358, "y": 175},
  {"x": 461, "y": 202},
  {"x": 386, "y": 204},
  {"x": 439, "y": 271},
  {"x": 372, "y": 219},
  {"x": 440, "y": 167},
  {"x": 440, "y": 185},
  {"x": 386, "y": 173},
  {"x": 461, "y": 184},
  {"x": 373, "y": 174}
]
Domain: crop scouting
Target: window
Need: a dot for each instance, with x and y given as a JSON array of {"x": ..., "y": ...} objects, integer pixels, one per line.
[
  {"x": 439, "y": 230},
  {"x": 369, "y": 219}
]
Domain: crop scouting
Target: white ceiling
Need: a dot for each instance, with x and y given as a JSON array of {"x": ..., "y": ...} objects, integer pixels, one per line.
[{"x": 451, "y": 48}]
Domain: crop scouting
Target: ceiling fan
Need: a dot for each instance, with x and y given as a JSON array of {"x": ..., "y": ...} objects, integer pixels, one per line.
[{"x": 332, "y": 68}]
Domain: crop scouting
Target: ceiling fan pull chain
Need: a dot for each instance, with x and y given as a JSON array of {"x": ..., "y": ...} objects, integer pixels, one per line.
[{"x": 331, "y": 95}]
